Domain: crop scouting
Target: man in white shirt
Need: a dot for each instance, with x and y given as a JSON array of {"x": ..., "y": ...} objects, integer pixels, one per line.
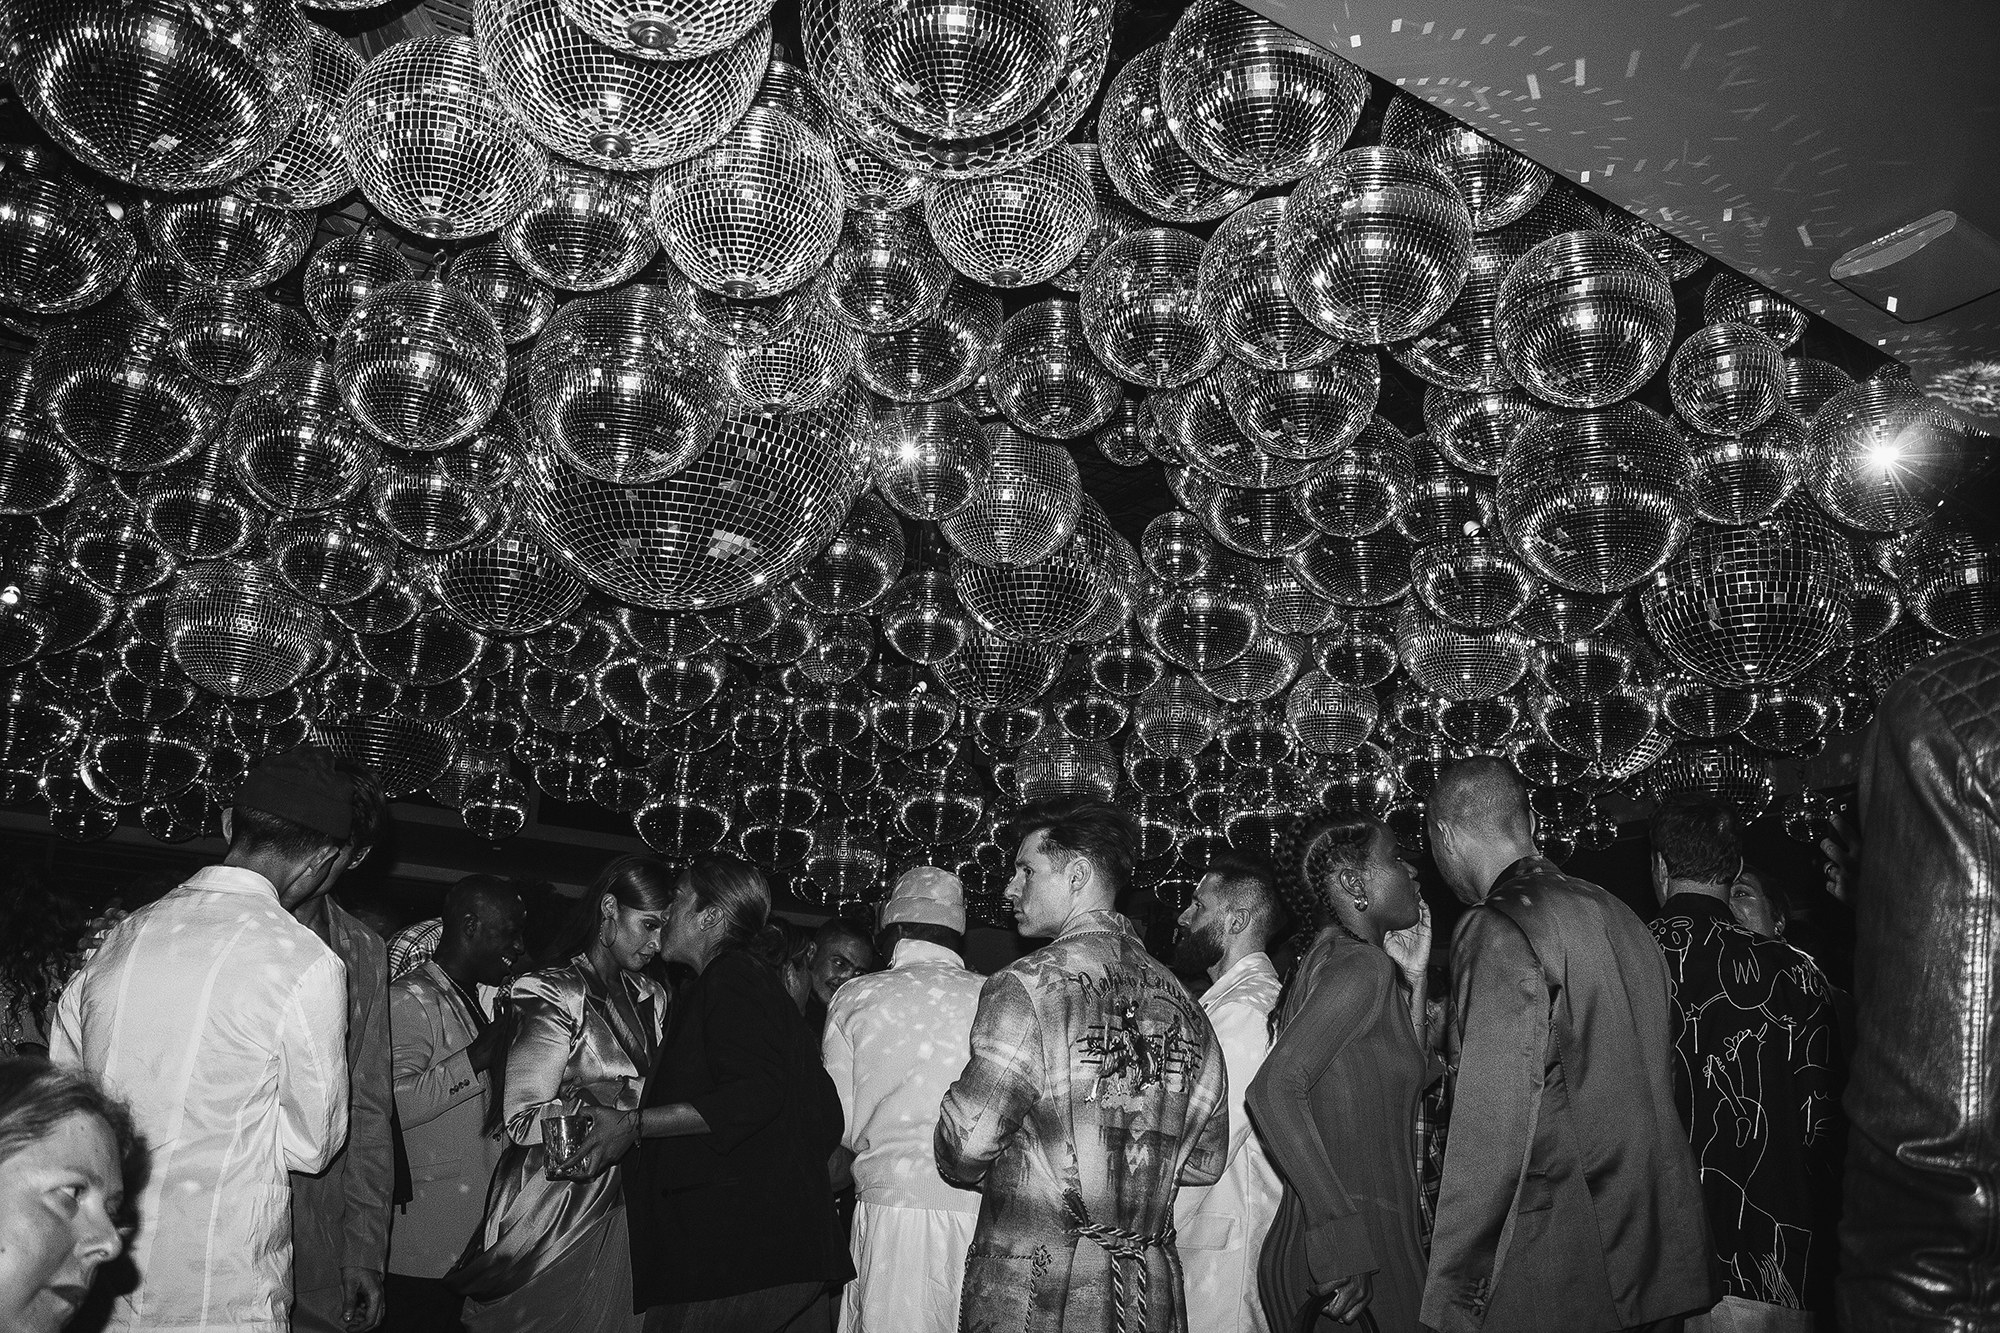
[
  {"x": 221, "y": 1021},
  {"x": 1224, "y": 931},
  {"x": 894, "y": 1042}
]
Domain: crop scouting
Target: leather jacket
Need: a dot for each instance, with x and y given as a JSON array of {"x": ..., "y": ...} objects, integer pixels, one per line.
[{"x": 1920, "y": 1237}]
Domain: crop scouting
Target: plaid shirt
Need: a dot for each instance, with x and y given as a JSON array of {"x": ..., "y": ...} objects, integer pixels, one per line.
[{"x": 1096, "y": 1088}]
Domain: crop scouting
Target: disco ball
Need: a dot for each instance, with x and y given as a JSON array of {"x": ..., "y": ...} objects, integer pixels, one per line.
[
  {"x": 1088, "y": 713},
  {"x": 937, "y": 357},
  {"x": 1948, "y": 579},
  {"x": 1176, "y": 548},
  {"x": 586, "y": 230},
  {"x": 1742, "y": 607},
  {"x": 1241, "y": 294},
  {"x": 1176, "y": 717},
  {"x": 181, "y": 817},
  {"x": 404, "y": 754},
  {"x": 437, "y": 502},
  {"x": 912, "y": 721},
  {"x": 308, "y": 171},
  {"x": 1139, "y": 309},
  {"x": 1356, "y": 571},
  {"x": 1374, "y": 245},
  {"x": 1124, "y": 438},
  {"x": 61, "y": 246},
  {"x": 1260, "y": 674},
  {"x": 1593, "y": 500},
  {"x": 1145, "y": 162},
  {"x": 1028, "y": 508},
  {"x": 993, "y": 673},
  {"x": 931, "y": 459},
  {"x": 157, "y": 93},
  {"x": 1362, "y": 489},
  {"x": 1672, "y": 254},
  {"x": 755, "y": 215},
  {"x": 1459, "y": 664},
  {"x": 1733, "y": 298},
  {"x": 1881, "y": 455},
  {"x": 1196, "y": 418},
  {"x": 955, "y": 69},
  {"x": 1878, "y": 605},
  {"x": 1017, "y": 228},
  {"x": 885, "y": 273},
  {"x": 873, "y": 183},
  {"x": 1614, "y": 659},
  {"x": 858, "y": 567},
  {"x": 1291, "y": 606},
  {"x": 109, "y": 544},
  {"x": 432, "y": 147},
  {"x": 1474, "y": 430},
  {"x": 1305, "y": 414},
  {"x": 294, "y": 443},
  {"x": 520, "y": 305},
  {"x": 1044, "y": 376},
  {"x": 37, "y": 471},
  {"x": 1113, "y": 218},
  {"x": 117, "y": 395},
  {"x": 1790, "y": 718},
  {"x": 1584, "y": 319},
  {"x": 1484, "y": 725},
  {"x": 421, "y": 365},
  {"x": 1739, "y": 479},
  {"x": 155, "y": 285},
  {"x": 1263, "y": 525},
  {"x": 562, "y": 702},
  {"x": 1330, "y": 716},
  {"x": 330, "y": 557},
  {"x": 667, "y": 30},
  {"x": 847, "y": 862},
  {"x": 496, "y": 808},
  {"x": 1124, "y": 667},
  {"x": 1057, "y": 766},
  {"x": 1809, "y": 383},
  {"x": 1605, "y": 730},
  {"x": 800, "y": 370},
  {"x": 55, "y": 609},
  {"x": 1499, "y": 184},
  {"x": 1472, "y": 582},
  {"x": 743, "y": 516},
  {"x": 841, "y": 651},
  {"x": 1722, "y": 771},
  {"x": 1727, "y": 379},
  {"x": 142, "y": 765},
  {"x": 1444, "y": 500},
  {"x": 1461, "y": 351},
  {"x": 225, "y": 337},
  {"x": 430, "y": 649},
  {"x": 1360, "y": 783},
  {"x": 606, "y": 108},
  {"x": 197, "y": 510},
  {"x": 1208, "y": 621},
  {"x": 345, "y": 270},
  {"x": 1251, "y": 101},
  {"x": 1043, "y": 602}
]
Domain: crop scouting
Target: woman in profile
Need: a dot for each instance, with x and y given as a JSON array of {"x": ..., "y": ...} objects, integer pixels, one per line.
[
  {"x": 552, "y": 1253},
  {"x": 1336, "y": 1100}
]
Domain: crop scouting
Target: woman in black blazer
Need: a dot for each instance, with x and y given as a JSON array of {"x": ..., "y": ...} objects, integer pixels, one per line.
[{"x": 728, "y": 1199}]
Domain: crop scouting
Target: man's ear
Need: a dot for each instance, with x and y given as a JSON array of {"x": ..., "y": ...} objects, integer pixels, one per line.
[
  {"x": 1235, "y": 921},
  {"x": 228, "y": 823}
]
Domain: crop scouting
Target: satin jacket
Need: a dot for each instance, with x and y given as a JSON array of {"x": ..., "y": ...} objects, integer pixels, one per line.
[
  {"x": 1096, "y": 1088},
  {"x": 1920, "y": 1233}
]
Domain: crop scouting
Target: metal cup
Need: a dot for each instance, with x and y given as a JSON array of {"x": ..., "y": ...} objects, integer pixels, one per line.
[{"x": 561, "y": 1135}]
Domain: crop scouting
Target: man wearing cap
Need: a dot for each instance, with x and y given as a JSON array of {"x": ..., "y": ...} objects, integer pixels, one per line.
[
  {"x": 220, "y": 1019},
  {"x": 894, "y": 1042}
]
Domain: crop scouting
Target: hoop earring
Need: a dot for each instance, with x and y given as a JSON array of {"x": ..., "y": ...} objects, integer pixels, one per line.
[{"x": 603, "y": 934}]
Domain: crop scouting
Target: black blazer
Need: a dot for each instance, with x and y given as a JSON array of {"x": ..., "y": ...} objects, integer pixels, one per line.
[{"x": 747, "y": 1205}]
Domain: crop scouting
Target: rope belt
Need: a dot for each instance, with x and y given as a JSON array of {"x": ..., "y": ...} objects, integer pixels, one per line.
[{"x": 1128, "y": 1263}]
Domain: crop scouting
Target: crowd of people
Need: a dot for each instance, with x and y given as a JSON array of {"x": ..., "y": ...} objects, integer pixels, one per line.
[{"x": 681, "y": 1113}]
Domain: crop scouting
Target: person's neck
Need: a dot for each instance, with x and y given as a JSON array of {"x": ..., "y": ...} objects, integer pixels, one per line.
[
  {"x": 1493, "y": 860},
  {"x": 1232, "y": 954},
  {"x": 1084, "y": 907},
  {"x": 311, "y": 913},
  {"x": 456, "y": 964},
  {"x": 602, "y": 964},
  {"x": 1706, "y": 888}
]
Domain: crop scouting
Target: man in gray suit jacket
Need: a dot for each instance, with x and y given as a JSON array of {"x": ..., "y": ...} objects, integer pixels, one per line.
[
  {"x": 444, "y": 1044},
  {"x": 1569, "y": 1198}
]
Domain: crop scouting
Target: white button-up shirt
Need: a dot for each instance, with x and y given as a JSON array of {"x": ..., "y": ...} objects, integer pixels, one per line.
[{"x": 222, "y": 1021}]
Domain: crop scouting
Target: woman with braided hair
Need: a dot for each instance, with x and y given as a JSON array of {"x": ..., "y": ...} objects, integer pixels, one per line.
[{"x": 1336, "y": 1100}]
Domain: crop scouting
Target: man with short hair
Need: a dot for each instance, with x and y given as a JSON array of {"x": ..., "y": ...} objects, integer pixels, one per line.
[
  {"x": 1754, "y": 1079},
  {"x": 894, "y": 1042},
  {"x": 840, "y": 952},
  {"x": 1228, "y": 923},
  {"x": 1569, "y": 1197},
  {"x": 222, "y": 1021},
  {"x": 1095, "y": 1090},
  {"x": 445, "y": 1043}
]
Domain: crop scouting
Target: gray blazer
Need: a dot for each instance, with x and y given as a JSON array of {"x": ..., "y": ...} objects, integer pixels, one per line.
[{"x": 442, "y": 1104}]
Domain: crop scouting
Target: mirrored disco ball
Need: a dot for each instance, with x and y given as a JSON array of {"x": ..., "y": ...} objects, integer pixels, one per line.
[
  {"x": 1726, "y": 379},
  {"x": 1881, "y": 455},
  {"x": 294, "y": 443},
  {"x": 1044, "y": 376},
  {"x": 620, "y": 391},
  {"x": 1252, "y": 102},
  {"x": 1474, "y": 430},
  {"x": 1726, "y": 772},
  {"x": 1125, "y": 667},
  {"x": 913, "y": 720},
  {"x": 1113, "y": 218},
  {"x": 1472, "y": 582},
  {"x": 931, "y": 459},
  {"x": 1616, "y": 658},
  {"x": 1499, "y": 184},
  {"x": 585, "y": 230},
  {"x": 1362, "y": 489},
  {"x": 56, "y": 610},
  {"x": 1043, "y": 602},
  {"x": 308, "y": 170},
  {"x": 667, "y": 30},
  {"x": 143, "y": 765},
  {"x": 873, "y": 183},
  {"x": 346, "y": 269},
  {"x": 1459, "y": 664},
  {"x": 1584, "y": 319},
  {"x": 937, "y": 357},
  {"x": 1739, "y": 479},
  {"x": 800, "y": 370},
  {"x": 1241, "y": 293},
  {"x": 1593, "y": 500},
  {"x": 1444, "y": 499},
  {"x": 435, "y": 502},
  {"x": 520, "y": 305},
  {"x": 1304, "y": 414},
  {"x": 842, "y": 648},
  {"x": 1374, "y": 245},
  {"x": 115, "y": 392},
  {"x": 405, "y": 754},
  {"x": 993, "y": 673},
  {"x": 1123, "y": 440},
  {"x": 158, "y": 94},
  {"x": 1696, "y": 708},
  {"x": 1176, "y": 717},
  {"x": 857, "y": 568},
  {"x": 1809, "y": 383},
  {"x": 155, "y": 285},
  {"x": 228, "y": 241},
  {"x": 944, "y": 812},
  {"x": 224, "y": 337},
  {"x": 1145, "y": 162},
  {"x": 561, "y": 702},
  {"x": 109, "y": 544},
  {"x": 1948, "y": 577},
  {"x": 743, "y": 516},
  {"x": 1356, "y": 571},
  {"x": 1017, "y": 228},
  {"x": 61, "y": 247},
  {"x": 1028, "y": 508},
  {"x": 885, "y": 273},
  {"x": 1260, "y": 674},
  {"x": 1209, "y": 621},
  {"x": 1878, "y": 605},
  {"x": 1733, "y": 298},
  {"x": 197, "y": 509},
  {"x": 1263, "y": 525},
  {"x": 757, "y": 213},
  {"x": 1139, "y": 309},
  {"x": 1790, "y": 718},
  {"x": 1745, "y": 606},
  {"x": 1461, "y": 351},
  {"x": 956, "y": 69},
  {"x": 331, "y": 557},
  {"x": 1176, "y": 547},
  {"x": 429, "y": 650},
  {"x": 1677, "y": 257},
  {"x": 1293, "y": 607},
  {"x": 1330, "y": 716},
  {"x": 421, "y": 365},
  {"x": 1057, "y": 766},
  {"x": 37, "y": 471}
]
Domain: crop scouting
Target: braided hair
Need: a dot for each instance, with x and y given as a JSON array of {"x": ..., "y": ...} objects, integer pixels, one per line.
[{"x": 1311, "y": 855}]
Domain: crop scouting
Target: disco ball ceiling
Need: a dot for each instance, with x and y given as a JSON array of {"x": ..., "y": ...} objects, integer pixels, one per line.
[{"x": 817, "y": 430}]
